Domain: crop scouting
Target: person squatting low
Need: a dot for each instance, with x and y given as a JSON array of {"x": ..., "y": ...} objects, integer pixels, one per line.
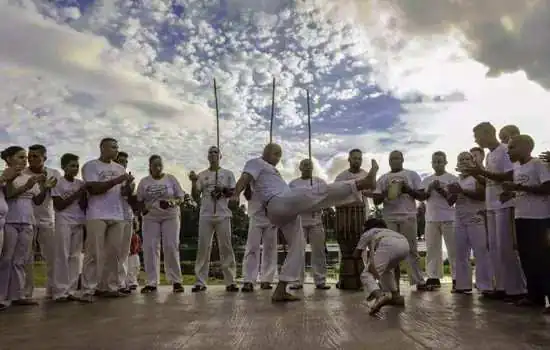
[{"x": 387, "y": 249}]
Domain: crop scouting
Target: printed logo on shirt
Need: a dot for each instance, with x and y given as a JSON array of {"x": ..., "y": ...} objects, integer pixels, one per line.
[
  {"x": 397, "y": 178},
  {"x": 156, "y": 191},
  {"x": 107, "y": 175}
]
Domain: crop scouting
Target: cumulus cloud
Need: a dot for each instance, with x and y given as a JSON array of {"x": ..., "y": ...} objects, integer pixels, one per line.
[
  {"x": 33, "y": 44},
  {"x": 382, "y": 78},
  {"x": 505, "y": 35}
]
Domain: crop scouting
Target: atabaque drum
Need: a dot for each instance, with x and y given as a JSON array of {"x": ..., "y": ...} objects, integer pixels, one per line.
[{"x": 349, "y": 228}]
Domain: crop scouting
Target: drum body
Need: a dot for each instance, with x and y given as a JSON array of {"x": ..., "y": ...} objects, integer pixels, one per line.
[{"x": 349, "y": 228}]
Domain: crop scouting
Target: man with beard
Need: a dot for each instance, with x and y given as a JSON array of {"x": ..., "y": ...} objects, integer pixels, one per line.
[{"x": 283, "y": 206}]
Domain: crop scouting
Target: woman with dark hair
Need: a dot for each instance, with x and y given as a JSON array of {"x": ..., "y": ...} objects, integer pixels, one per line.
[
  {"x": 21, "y": 192},
  {"x": 159, "y": 196}
]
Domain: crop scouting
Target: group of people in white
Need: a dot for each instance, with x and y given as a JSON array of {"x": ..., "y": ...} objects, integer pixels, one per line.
[{"x": 500, "y": 211}]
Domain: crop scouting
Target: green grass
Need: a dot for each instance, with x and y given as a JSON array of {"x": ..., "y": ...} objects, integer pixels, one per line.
[
  {"x": 189, "y": 279},
  {"x": 40, "y": 277}
]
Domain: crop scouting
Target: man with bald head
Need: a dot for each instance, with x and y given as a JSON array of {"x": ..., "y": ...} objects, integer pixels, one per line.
[
  {"x": 509, "y": 277},
  {"x": 531, "y": 190},
  {"x": 507, "y": 133},
  {"x": 312, "y": 225},
  {"x": 283, "y": 206}
]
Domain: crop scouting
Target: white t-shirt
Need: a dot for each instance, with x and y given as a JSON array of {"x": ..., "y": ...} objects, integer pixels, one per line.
[
  {"x": 310, "y": 219},
  {"x": 152, "y": 191},
  {"x": 404, "y": 204},
  {"x": 256, "y": 211},
  {"x": 355, "y": 199},
  {"x": 106, "y": 206},
  {"x": 72, "y": 214},
  {"x": 465, "y": 206},
  {"x": 44, "y": 213},
  {"x": 376, "y": 233},
  {"x": 268, "y": 183},
  {"x": 21, "y": 208},
  {"x": 437, "y": 207},
  {"x": 529, "y": 206},
  {"x": 205, "y": 185},
  {"x": 497, "y": 161}
]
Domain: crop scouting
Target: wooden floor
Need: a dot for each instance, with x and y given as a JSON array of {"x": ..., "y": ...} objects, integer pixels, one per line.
[{"x": 323, "y": 320}]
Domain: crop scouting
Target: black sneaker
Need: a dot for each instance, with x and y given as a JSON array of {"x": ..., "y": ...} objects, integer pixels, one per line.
[
  {"x": 266, "y": 285},
  {"x": 177, "y": 288},
  {"x": 232, "y": 288},
  {"x": 322, "y": 286},
  {"x": 125, "y": 291},
  {"x": 133, "y": 287},
  {"x": 433, "y": 283},
  {"x": 3, "y": 307},
  {"x": 198, "y": 288},
  {"x": 247, "y": 287},
  {"x": 148, "y": 289}
]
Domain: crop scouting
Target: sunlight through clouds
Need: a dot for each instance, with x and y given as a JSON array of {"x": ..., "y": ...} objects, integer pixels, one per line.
[{"x": 380, "y": 78}]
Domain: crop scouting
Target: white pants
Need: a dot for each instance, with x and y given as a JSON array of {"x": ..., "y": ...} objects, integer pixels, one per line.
[
  {"x": 102, "y": 253},
  {"x": 2, "y": 223},
  {"x": 222, "y": 227},
  {"x": 283, "y": 210},
  {"x": 434, "y": 255},
  {"x": 509, "y": 276},
  {"x": 470, "y": 234},
  {"x": 267, "y": 235},
  {"x": 68, "y": 248},
  {"x": 407, "y": 227},
  {"x": 17, "y": 239},
  {"x": 132, "y": 265},
  {"x": 167, "y": 231},
  {"x": 123, "y": 263},
  {"x": 44, "y": 235},
  {"x": 316, "y": 236},
  {"x": 387, "y": 256}
]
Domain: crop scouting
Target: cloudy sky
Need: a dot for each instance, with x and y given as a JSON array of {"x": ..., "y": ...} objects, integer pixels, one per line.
[{"x": 383, "y": 75}]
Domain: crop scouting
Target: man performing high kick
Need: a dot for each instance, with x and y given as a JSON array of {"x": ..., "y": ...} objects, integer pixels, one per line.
[{"x": 283, "y": 205}]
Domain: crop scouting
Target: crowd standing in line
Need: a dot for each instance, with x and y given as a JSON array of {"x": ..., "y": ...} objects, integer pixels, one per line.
[{"x": 498, "y": 207}]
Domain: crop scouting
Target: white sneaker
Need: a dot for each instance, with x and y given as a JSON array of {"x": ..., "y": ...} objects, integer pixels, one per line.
[{"x": 377, "y": 303}]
